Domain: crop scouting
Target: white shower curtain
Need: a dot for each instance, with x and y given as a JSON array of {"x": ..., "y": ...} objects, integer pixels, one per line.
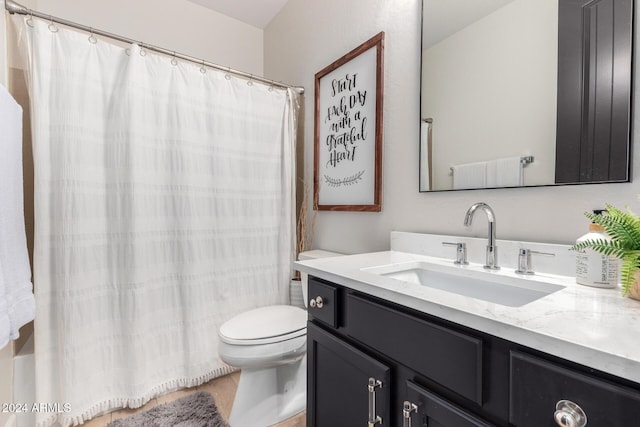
[{"x": 164, "y": 205}]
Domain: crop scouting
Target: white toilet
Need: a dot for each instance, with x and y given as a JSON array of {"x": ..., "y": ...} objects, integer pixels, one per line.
[{"x": 269, "y": 345}]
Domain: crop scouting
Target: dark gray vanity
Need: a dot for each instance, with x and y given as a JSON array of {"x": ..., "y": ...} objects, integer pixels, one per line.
[
  {"x": 391, "y": 349},
  {"x": 374, "y": 362}
]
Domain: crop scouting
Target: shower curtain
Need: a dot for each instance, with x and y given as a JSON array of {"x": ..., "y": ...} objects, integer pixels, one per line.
[{"x": 165, "y": 204}]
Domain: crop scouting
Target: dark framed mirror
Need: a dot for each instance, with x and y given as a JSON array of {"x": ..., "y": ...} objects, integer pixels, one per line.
[{"x": 520, "y": 93}]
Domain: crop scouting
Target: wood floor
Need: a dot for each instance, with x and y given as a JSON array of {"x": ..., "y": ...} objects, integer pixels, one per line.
[{"x": 222, "y": 389}]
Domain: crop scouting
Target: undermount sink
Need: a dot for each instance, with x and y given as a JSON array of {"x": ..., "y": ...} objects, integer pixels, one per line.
[{"x": 500, "y": 289}]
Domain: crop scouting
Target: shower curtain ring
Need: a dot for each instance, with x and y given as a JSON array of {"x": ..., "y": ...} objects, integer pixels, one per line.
[
  {"x": 92, "y": 38},
  {"x": 228, "y": 74},
  {"x": 202, "y": 68},
  {"x": 271, "y": 86},
  {"x": 143, "y": 51},
  {"x": 52, "y": 26},
  {"x": 250, "y": 82},
  {"x": 174, "y": 61},
  {"x": 29, "y": 20}
]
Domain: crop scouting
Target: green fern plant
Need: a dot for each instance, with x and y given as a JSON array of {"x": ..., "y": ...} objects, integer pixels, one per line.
[{"x": 624, "y": 229}]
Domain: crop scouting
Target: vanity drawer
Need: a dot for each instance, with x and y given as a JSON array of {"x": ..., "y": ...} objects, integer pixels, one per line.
[
  {"x": 434, "y": 410},
  {"x": 537, "y": 385},
  {"x": 323, "y": 302},
  {"x": 448, "y": 357}
]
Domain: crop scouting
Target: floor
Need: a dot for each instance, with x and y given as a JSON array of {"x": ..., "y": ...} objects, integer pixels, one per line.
[{"x": 222, "y": 389}]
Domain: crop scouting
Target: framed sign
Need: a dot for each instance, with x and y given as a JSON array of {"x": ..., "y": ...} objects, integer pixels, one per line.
[{"x": 348, "y": 131}]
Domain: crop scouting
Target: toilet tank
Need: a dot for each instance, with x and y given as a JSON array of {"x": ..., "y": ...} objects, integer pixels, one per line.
[{"x": 307, "y": 255}]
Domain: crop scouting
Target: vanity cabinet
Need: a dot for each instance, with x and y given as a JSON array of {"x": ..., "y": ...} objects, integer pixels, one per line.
[
  {"x": 372, "y": 363},
  {"x": 366, "y": 359}
]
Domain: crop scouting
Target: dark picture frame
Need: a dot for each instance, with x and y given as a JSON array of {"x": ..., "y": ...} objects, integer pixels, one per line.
[{"x": 349, "y": 130}]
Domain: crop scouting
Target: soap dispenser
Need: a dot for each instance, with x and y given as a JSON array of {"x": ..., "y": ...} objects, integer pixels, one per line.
[{"x": 593, "y": 268}]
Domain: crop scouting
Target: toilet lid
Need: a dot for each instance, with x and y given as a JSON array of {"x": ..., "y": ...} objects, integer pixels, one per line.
[{"x": 265, "y": 325}]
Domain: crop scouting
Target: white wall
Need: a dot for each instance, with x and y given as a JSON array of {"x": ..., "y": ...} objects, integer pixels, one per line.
[
  {"x": 178, "y": 25},
  {"x": 483, "y": 89},
  {"x": 308, "y": 35}
]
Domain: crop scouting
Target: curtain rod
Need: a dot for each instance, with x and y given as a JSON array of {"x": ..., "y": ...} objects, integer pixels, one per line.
[{"x": 13, "y": 7}]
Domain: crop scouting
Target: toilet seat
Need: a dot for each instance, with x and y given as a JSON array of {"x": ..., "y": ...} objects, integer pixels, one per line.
[
  {"x": 262, "y": 356},
  {"x": 265, "y": 325}
]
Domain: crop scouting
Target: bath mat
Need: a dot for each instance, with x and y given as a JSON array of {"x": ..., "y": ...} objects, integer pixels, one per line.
[{"x": 195, "y": 410}]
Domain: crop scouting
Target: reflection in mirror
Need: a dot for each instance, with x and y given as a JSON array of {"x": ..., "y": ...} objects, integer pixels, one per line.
[{"x": 524, "y": 93}]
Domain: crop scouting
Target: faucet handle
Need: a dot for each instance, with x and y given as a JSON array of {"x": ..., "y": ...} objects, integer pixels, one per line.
[
  {"x": 461, "y": 252},
  {"x": 525, "y": 266}
]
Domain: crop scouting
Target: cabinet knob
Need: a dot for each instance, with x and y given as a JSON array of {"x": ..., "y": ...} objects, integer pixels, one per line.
[
  {"x": 569, "y": 414},
  {"x": 316, "y": 302}
]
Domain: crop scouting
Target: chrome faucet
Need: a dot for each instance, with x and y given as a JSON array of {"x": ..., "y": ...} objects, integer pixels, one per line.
[{"x": 491, "y": 262}]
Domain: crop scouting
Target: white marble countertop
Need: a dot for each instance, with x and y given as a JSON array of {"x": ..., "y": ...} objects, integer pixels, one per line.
[{"x": 590, "y": 326}]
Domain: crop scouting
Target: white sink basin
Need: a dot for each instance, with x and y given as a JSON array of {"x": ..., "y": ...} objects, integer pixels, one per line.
[{"x": 508, "y": 290}]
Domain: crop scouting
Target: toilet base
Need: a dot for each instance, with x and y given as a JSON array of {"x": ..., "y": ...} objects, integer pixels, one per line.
[{"x": 270, "y": 395}]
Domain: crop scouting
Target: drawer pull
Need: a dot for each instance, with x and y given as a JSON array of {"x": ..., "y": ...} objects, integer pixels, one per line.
[
  {"x": 316, "y": 302},
  {"x": 373, "y": 418},
  {"x": 569, "y": 414},
  {"x": 407, "y": 409}
]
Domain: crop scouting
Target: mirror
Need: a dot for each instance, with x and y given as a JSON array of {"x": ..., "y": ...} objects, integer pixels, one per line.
[{"x": 519, "y": 93}]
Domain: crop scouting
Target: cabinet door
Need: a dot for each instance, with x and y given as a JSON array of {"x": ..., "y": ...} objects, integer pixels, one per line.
[
  {"x": 338, "y": 376},
  {"x": 428, "y": 409}
]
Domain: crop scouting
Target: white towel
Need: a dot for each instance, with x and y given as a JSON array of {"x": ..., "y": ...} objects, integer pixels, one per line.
[
  {"x": 469, "y": 175},
  {"x": 425, "y": 163},
  {"x": 507, "y": 172},
  {"x": 17, "y": 304}
]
